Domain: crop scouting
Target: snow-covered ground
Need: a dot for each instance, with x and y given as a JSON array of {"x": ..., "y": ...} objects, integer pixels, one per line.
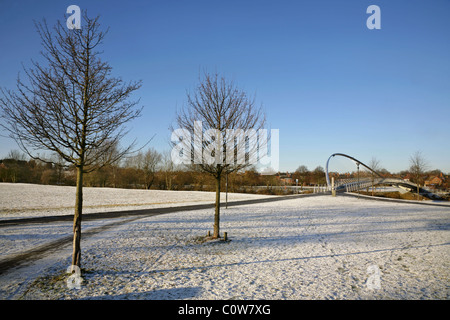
[
  {"x": 308, "y": 248},
  {"x": 22, "y": 200}
]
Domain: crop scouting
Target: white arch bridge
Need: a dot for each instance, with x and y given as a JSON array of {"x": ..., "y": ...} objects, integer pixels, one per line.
[{"x": 354, "y": 184}]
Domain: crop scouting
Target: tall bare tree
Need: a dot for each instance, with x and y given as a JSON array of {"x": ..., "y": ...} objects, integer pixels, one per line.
[
  {"x": 168, "y": 168},
  {"x": 71, "y": 105},
  {"x": 418, "y": 166},
  {"x": 223, "y": 122},
  {"x": 375, "y": 164},
  {"x": 147, "y": 164}
]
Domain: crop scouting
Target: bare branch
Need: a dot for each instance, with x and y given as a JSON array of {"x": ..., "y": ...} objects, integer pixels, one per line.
[{"x": 71, "y": 106}]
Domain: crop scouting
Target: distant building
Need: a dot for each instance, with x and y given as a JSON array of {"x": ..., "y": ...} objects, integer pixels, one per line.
[
  {"x": 435, "y": 181},
  {"x": 285, "y": 178},
  {"x": 407, "y": 177}
]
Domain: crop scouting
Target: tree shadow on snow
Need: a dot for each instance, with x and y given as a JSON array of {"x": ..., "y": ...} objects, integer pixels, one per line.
[{"x": 159, "y": 294}]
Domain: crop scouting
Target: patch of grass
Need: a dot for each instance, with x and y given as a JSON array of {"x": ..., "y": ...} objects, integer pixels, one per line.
[
  {"x": 47, "y": 283},
  {"x": 199, "y": 239},
  {"x": 207, "y": 239},
  {"x": 53, "y": 283},
  {"x": 395, "y": 195}
]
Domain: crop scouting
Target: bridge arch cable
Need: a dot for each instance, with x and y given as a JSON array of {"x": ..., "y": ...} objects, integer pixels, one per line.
[{"x": 351, "y": 158}]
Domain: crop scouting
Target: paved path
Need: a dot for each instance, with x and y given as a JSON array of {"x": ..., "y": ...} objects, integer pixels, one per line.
[{"x": 28, "y": 256}]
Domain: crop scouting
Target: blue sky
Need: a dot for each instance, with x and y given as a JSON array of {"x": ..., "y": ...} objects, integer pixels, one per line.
[{"x": 327, "y": 82}]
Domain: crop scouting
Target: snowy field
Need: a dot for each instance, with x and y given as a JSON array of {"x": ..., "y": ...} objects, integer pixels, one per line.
[
  {"x": 21, "y": 200},
  {"x": 308, "y": 248}
]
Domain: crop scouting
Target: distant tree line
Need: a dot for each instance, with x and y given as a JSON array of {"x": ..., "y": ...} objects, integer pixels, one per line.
[
  {"x": 151, "y": 169},
  {"x": 144, "y": 170}
]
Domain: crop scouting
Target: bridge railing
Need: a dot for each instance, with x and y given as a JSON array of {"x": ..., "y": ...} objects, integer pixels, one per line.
[{"x": 353, "y": 184}]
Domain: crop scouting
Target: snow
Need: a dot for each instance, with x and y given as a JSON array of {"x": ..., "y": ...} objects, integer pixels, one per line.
[
  {"x": 319, "y": 247},
  {"x": 22, "y": 200}
]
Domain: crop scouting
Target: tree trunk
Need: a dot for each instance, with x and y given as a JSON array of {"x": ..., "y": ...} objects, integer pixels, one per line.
[
  {"x": 418, "y": 193},
  {"x": 373, "y": 183},
  {"x": 150, "y": 183},
  {"x": 76, "y": 253},
  {"x": 217, "y": 209}
]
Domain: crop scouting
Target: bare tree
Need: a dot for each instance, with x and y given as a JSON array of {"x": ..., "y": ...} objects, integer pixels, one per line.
[
  {"x": 168, "y": 167},
  {"x": 375, "y": 164},
  {"x": 147, "y": 164},
  {"x": 418, "y": 166},
  {"x": 223, "y": 122},
  {"x": 58, "y": 163},
  {"x": 71, "y": 105},
  {"x": 16, "y": 155}
]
